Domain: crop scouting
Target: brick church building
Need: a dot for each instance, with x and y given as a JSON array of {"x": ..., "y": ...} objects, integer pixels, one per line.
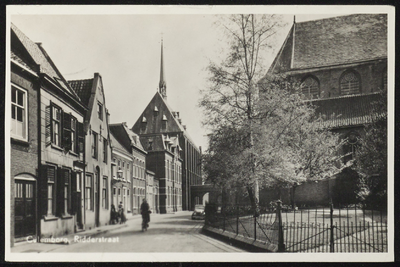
[
  {"x": 341, "y": 63},
  {"x": 172, "y": 155}
]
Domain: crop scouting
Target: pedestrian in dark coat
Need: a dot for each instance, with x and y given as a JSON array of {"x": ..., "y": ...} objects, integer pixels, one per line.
[{"x": 145, "y": 211}]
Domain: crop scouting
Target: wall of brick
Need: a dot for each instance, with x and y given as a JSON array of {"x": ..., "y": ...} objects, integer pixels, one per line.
[
  {"x": 24, "y": 155},
  {"x": 371, "y": 75}
]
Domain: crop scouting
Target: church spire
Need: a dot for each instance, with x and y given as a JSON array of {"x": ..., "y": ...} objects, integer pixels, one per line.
[{"x": 162, "y": 86}]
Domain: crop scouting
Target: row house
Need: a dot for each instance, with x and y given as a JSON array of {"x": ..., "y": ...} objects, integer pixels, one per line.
[
  {"x": 46, "y": 199},
  {"x": 121, "y": 175},
  {"x": 96, "y": 182},
  {"x": 129, "y": 158},
  {"x": 24, "y": 173},
  {"x": 172, "y": 155}
]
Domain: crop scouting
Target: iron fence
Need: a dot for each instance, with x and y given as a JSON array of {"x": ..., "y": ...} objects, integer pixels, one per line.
[{"x": 323, "y": 229}]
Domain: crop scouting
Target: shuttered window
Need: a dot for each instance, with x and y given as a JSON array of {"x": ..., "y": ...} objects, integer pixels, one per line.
[
  {"x": 51, "y": 194},
  {"x": 67, "y": 192},
  {"x": 56, "y": 125}
]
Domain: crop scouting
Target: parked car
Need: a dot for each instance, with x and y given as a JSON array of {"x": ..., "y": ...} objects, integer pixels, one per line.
[{"x": 198, "y": 212}]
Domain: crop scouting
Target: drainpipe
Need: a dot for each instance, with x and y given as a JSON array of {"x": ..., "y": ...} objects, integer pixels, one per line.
[{"x": 40, "y": 175}]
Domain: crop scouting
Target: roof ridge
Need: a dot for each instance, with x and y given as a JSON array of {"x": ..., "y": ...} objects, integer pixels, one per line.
[
  {"x": 78, "y": 80},
  {"x": 339, "y": 16}
]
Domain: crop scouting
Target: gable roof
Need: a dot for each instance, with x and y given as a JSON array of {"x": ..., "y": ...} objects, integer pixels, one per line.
[
  {"x": 83, "y": 88},
  {"x": 126, "y": 137},
  {"x": 158, "y": 103},
  {"x": 115, "y": 144},
  {"x": 344, "y": 111},
  {"x": 41, "y": 58},
  {"x": 333, "y": 41}
]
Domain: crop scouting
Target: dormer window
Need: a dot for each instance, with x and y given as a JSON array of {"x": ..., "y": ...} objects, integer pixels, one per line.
[
  {"x": 143, "y": 125},
  {"x": 164, "y": 123},
  {"x": 155, "y": 111},
  {"x": 350, "y": 83},
  {"x": 150, "y": 147}
]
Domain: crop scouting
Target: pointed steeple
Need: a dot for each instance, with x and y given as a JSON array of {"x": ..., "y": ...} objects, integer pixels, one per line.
[{"x": 162, "y": 86}]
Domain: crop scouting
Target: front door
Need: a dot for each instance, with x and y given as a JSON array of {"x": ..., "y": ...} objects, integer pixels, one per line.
[{"x": 24, "y": 208}]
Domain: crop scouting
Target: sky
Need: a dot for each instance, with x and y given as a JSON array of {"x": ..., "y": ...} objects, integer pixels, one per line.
[{"x": 124, "y": 48}]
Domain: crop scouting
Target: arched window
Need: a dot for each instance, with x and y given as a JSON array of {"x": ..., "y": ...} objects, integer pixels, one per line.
[
  {"x": 350, "y": 83},
  {"x": 310, "y": 87},
  {"x": 350, "y": 147}
]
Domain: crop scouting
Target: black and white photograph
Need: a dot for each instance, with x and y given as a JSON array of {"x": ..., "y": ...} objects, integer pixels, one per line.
[{"x": 199, "y": 133}]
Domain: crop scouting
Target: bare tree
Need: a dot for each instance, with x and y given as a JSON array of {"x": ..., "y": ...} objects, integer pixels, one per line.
[{"x": 232, "y": 96}]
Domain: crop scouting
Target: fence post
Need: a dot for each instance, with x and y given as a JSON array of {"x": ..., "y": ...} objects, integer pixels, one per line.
[
  {"x": 331, "y": 243},
  {"x": 281, "y": 245}
]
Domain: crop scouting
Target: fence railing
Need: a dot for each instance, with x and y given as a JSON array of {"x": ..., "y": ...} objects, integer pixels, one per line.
[{"x": 323, "y": 229}]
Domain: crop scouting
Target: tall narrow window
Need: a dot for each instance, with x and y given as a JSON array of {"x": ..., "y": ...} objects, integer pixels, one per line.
[
  {"x": 56, "y": 125},
  {"x": 100, "y": 110},
  {"x": 67, "y": 191},
  {"x": 74, "y": 147},
  {"x": 94, "y": 145},
  {"x": 105, "y": 150},
  {"x": 88, "y": 192},
  {"x": 104, "y": 196},
  {"x": 310, "y": 87},
  {"x": 18, "y": 113},
  {"x": 51, "y": 175},
  {"x": 350, "y": 83}
]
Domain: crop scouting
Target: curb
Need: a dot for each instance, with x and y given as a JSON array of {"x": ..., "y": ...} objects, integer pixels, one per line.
[{"x": 239, "y": 241}]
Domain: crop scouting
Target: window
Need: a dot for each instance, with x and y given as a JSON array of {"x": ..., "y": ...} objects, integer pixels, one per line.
[
  {"x": 100, "y": 110},
  {"x": 119, "y": 163},
  {"x": 105, "y": 150},
  {"x": 51, "y": 177},
  {"x": 94, "y": 145},
  {"x": 352, "y": 142},
  {"x": 19, "y": 114},
  {"x": 74, "y": 146},
  {"x": 67, "y": 191},
  {"x": 78, "y": 181},
  {"x": 88, "y": 192},
  {"x": 310, "y": 87},
  {"x": 56, "y": 125},
  {"x": 104, "y": 202},
  {"x": 349, "y": 83}
]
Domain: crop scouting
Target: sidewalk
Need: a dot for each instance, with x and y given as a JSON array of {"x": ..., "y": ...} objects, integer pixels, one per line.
[{"x": 52, "y": 244}]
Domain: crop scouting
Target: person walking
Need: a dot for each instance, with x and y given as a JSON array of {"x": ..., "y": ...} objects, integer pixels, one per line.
[
  {"x": 145, "y": 211},
  {"x": 121, "y": 213}
]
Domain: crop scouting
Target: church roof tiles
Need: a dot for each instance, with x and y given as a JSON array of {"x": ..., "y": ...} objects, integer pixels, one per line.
[{"x": 333, "y": 41}]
